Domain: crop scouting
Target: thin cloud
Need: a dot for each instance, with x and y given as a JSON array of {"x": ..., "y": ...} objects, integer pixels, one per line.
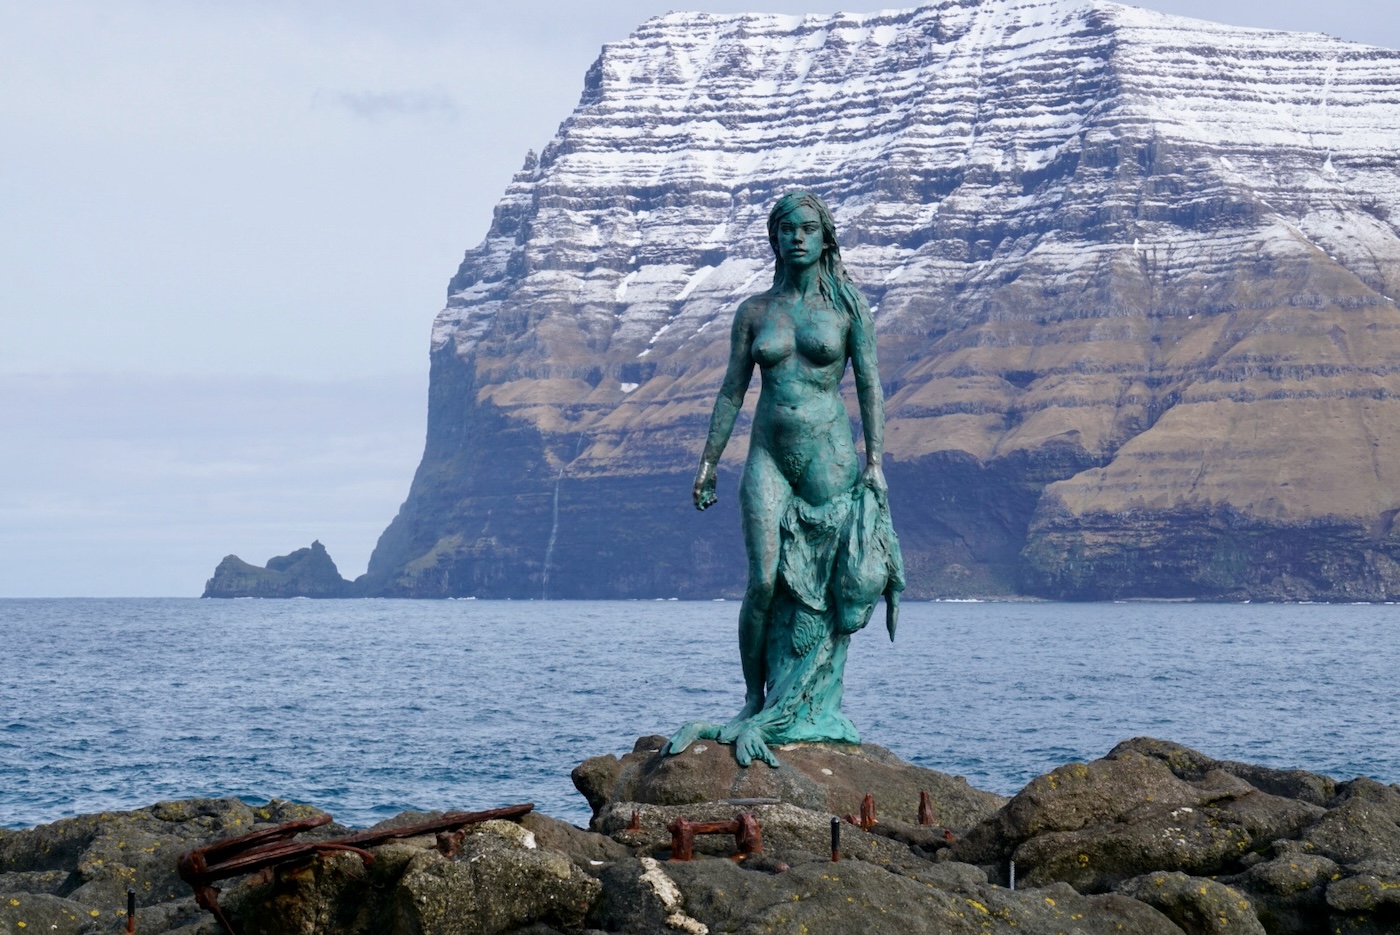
[{"x": 381, "y": 105}]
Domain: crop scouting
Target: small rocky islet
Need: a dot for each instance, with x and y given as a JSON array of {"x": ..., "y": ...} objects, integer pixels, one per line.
[{"x": 1152, "y": 838}]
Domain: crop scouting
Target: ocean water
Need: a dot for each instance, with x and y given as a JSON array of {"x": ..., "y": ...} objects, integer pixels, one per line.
[{"x": 367, "y": 708}]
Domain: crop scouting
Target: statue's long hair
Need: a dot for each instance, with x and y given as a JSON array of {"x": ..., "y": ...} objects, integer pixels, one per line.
[{"x": 832, "y": 279}]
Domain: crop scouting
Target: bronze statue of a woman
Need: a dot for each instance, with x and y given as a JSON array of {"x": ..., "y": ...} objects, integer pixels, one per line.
[{"x": 821, "y": 550}]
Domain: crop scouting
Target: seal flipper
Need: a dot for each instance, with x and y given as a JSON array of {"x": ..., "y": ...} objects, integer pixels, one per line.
[{"x": 891, "y": 610}]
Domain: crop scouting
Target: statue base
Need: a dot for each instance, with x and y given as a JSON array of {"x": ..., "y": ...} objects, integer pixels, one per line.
[{"x": 825, "y": 777}]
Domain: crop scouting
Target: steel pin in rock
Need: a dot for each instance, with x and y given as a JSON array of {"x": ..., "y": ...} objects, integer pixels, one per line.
[
  {"x": 130, "y": 911},
  {"x": 867, "y": 812},
  {"x": 835, "y": 839}
]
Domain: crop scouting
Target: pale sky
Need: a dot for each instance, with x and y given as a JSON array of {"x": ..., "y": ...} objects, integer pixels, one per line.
[{"x": 225, "y": 228}]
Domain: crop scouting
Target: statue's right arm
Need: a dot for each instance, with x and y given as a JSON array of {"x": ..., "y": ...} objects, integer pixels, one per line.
[{"x": 727, "y": 405}]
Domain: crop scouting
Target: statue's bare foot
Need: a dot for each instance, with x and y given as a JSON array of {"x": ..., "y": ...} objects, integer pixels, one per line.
[
  {"x": 687, "y": 735},
  {"x": 752, "y": 705},
  {"x": 749, "y": 746}
]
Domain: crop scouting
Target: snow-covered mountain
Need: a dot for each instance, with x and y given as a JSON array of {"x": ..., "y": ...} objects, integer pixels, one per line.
[{"x": 1132, "y": 275}]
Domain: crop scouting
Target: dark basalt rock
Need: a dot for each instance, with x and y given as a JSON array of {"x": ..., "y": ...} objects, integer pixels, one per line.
[
  {"x": 308, "y": 572},
  {"x": 74, "y": 873},
  {"x": 1154, "y": 839},
  {"x": 1199, "y": 907},
  {"x": 830, "y": 778}
]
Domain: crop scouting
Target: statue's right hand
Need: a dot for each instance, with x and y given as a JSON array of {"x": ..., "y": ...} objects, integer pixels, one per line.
[{"x": 703, "y": 493}]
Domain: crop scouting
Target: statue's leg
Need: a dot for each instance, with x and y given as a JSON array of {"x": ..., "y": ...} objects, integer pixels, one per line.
[{"x": 763, "y": 497}]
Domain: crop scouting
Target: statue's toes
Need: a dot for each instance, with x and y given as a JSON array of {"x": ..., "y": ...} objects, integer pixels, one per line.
[{"x": 750, "y": 747}]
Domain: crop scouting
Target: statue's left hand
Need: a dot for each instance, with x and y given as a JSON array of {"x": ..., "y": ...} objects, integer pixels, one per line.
[
  {"x": 874, "y": 478},
  {"x": 703, "y": 493}
]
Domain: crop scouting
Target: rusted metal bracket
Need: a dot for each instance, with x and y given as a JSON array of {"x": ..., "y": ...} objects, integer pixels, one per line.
[
  {"x": 745, "y": 828},
  {"x": 867, "y": 819},
  {"x": 259, "y": 850}
]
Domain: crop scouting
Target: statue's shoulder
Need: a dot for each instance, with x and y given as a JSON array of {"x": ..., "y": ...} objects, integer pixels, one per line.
[{"x": 755, "y": 306}]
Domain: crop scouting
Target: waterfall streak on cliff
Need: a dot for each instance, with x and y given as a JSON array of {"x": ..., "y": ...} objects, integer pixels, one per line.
[{"x": 553, "y": 535}]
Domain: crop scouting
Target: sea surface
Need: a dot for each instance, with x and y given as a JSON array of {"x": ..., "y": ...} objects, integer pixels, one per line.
[{"x": 366, "y": 708}]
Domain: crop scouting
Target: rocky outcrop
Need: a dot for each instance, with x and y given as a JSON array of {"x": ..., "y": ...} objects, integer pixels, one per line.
[
  {"x": 1218, "y": 846},
  {"x": 827, "y": 778},
  {"x": 1153, "y": 839},
  {"x": 1132, "y": 273},
  {"x": 72, "y": 876},
  {"x": 306, "y": 572}
]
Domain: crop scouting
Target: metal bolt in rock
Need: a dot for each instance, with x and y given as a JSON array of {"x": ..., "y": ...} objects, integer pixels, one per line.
[{"x": 925, "y": 809}]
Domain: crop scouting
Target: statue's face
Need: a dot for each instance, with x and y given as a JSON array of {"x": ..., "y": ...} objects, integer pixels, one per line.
[{"x": 800, "y": 237}]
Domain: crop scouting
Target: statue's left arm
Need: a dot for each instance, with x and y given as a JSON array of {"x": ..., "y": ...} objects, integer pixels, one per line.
[{"x": 871, "y": 397}]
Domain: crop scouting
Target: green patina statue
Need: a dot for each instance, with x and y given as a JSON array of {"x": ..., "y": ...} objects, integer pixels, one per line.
[{"x": 821, "y": 550}]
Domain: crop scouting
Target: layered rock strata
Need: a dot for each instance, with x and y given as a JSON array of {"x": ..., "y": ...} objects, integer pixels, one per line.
[{"x": 1133, "y": 276}]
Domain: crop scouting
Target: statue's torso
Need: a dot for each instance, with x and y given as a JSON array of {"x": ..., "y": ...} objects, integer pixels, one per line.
[{"x": 801, "y": 351}]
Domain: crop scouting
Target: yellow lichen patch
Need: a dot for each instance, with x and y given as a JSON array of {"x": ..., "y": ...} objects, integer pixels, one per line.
[
  {"x": 979, "y": 907},
  {"x": 1049, "y": 901},
  {"x": 14, "y": 902},
  {"x": 94, "y": 913},
  {"x": 1083, "y": 860}
]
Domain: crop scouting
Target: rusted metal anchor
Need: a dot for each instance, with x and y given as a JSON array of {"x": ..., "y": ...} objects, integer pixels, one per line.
[
  {"x": 744, "y": 827},
  {"x": 259, "y": 850}
]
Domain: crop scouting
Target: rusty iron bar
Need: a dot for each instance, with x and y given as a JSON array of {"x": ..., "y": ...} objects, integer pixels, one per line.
[
  {"x": 745, "y": 828},
  {"x": 636, "y": 823},
  {"x": 925, "y": 809},
  {"x": 261, "y": 850},
  {"x": 130, "y": 911},
  {"x": 835, "y": 839}
]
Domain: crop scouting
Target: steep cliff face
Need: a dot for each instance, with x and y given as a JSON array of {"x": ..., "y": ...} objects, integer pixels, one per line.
[{"x": 1131, "y": 272}]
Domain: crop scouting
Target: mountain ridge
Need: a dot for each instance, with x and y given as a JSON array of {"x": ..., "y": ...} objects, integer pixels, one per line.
[{"x": 1132, "y": 275}]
